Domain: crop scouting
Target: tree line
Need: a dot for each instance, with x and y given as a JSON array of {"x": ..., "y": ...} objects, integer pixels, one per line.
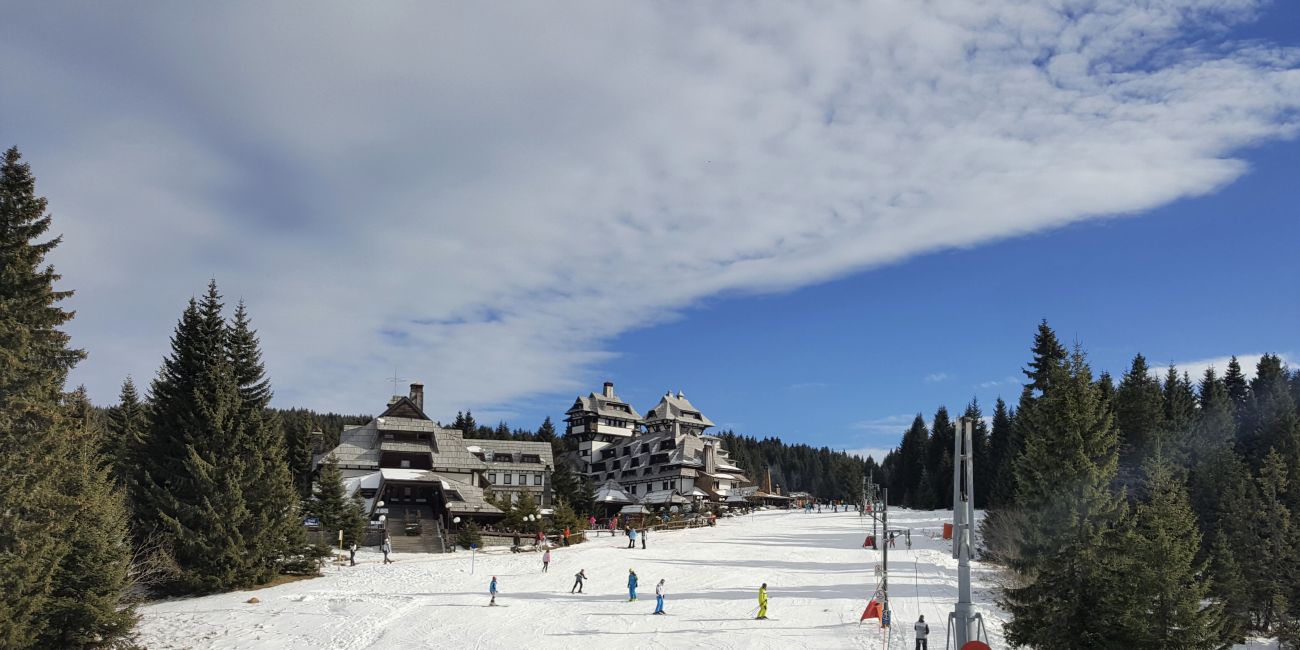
[{"x": 1144, "y": 513}]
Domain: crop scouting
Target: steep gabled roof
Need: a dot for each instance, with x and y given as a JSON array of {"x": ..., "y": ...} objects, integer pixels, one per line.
[
  {"x": 677, "y": 407},
  {"x": 403, "y": 407},
  {"x": 608, "y": 407}
]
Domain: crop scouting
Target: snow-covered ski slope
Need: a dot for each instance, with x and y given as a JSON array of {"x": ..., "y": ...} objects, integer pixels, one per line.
[{"x": 818, "y": 575}]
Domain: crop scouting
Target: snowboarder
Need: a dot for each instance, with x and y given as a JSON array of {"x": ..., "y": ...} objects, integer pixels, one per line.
[
  {"x": 577, "y": 580},
  {"x": 631, "y": 538},
  {"x": 631, "y": 585},
  {"x": 546, "y": 560},
  {"x": 922, "y": 630},
  {"x": 352, "y": 553},
  {"x": 643, "y": 536},
  {"x": 387, "y": 548},
  {"x": 762, "y": 602},
  {"x": 659, "y": 597},
  {"x": 492, "y": 589}
]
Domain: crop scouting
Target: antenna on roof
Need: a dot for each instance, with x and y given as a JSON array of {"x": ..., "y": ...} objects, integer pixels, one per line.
[{"x": 395, "y": 379}]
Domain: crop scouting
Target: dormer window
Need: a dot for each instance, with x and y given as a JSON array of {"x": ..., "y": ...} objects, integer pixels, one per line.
[
  {"x": 530, "y": 458},
  {"x": 502, "y": 458}
]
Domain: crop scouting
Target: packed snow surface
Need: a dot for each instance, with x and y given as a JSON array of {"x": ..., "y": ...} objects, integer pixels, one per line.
[{"x": 819, "y": 580}]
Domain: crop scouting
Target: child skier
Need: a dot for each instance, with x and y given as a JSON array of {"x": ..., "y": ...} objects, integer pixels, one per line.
[
  {"x": 546, "y": 560},
  {"x": 631, "y": 585},
  {"x": 492, "y": 589},
  {"x": 659, "y": 597},
  {"x": 762, "y": 602},
  {"x": 577, "y": 580}
]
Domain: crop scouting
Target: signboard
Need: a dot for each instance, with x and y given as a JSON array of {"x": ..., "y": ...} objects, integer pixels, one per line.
[{"x": 312, "y": 521}]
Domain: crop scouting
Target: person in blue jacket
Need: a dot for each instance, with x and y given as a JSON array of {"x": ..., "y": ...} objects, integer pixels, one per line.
[
  {"x": 631, "y": 585},
  {"x": 492, "y": 589},
  {"x": 631, "y": 538}
]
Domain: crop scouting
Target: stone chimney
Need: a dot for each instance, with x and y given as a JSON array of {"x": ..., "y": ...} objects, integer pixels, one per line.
[
  {"x": 417, "y": 395},
  {"x": 317, "y": 439},
  {"x": 710, "y": 458},
  {"x": 609, "y": 390}
]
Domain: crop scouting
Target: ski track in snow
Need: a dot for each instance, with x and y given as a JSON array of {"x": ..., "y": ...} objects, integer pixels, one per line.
[{"x": 819, "y": 581}]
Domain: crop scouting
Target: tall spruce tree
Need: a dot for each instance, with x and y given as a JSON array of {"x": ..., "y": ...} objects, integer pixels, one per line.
[
  {"x": 126, "y": 425},
  {"x": 1269, "y": 420},
  {"x": 298, "y": 425},
  {"x": 1139, "y": 415},
  {"x": 981, "y": 453},
  {"x": 1238, "y": 389},
  {"x": 564, "y": 484},
  {"x": 273, "y": 528},
  {"x": 939, "y": 459},
  {"x": 911, "y": 459},
  {"x": 1004, "y": 446},
  {"x": 1229, "y": 590},
  {"x": 1169, "y": 582},
  {"x": 45, "y": 477},
  {"x": 1270, "y": 569},
  {"x": 1074, "y": 526},
  {"x": 1179, "y": 416},
  {"x": 85, "y": 606}
]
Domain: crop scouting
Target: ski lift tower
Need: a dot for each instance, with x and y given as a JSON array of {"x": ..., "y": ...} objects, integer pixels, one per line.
[{"x": 964, "y": 625}]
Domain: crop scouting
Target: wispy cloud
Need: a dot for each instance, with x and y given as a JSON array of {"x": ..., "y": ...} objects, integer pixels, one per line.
[
  {"x": 889, "y": 424},
  {"x": 1196, "y": 369},
  {"x": 457, "y": 190},
  {"x": 994, "y": 383},
  {"x": 936, "y": 377}
]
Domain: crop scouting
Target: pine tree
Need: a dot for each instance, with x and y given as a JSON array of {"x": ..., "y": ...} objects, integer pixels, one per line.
[
  {"x": 1004, "y": 447},
  {"x": 1049, "y": 355},
  {"x": 332, "y": 507},
  {"x": 126, "y": 426},
  {"x": 1238, "y": 390},
  {"x": 564, "y": 484},
  {"x": 939, "y": 459},
  {"x": 1139, "y": 415},
  {"x": 1229, "y": 590},
  {"x": 981, "y": 452},
  {"x": 1179, "y": 415},
  {"x": 912, "y": 455},
  {"x": 546, "y": 433},
  {"x": 1269, "y": 420},
  {"x": 273, "y": 529},
  {"x": 1168, "y": 579},
  {"x": 1075, "y": 529},
  {"x": 85, "y": 606},
  {"x": 1270, "y": 530},
  {"x": 298, "y": 425},
  {"x": 37, "y": 438},
  {"x": 193, "y": 464}
]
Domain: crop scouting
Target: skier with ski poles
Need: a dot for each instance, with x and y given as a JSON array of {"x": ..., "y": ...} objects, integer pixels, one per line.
[
  {"x": 577, "y": 580},
  {"x": 762, "y": 602}
]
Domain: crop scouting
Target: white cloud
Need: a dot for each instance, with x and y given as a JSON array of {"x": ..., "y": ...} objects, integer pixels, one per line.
[
  {"x": 483, "y": 195},
  {"x": 876, "y": 453},
  {"x": 936, "y": 377},
  {"x": 1196, "y": 369},
  {"x": 994, "y": 383},
  {"x": 891, "y": 425}
]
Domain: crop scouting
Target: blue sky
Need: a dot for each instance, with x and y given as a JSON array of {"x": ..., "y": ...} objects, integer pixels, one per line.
[{"x": 815, "y": 220}]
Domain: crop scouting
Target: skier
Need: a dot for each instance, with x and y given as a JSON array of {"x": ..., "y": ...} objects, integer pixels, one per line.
[
  {"x": 352, "y": 553},
  {"x": 546, "y": 560},
  {"x": 631, "y": 585},
  {"x": 631, "y": 538},
  {"x": 659, "y": 597},
  {"x": 643, "y": 536},
  {"x": 387, "y": 548},
  {"x": 577, "y": 580},
  {"x": 613, "y": 523},
  {"x": 492, "y": 589},
  {"x": 922, "y": 630},
  {"x": 762, "y": 602}
]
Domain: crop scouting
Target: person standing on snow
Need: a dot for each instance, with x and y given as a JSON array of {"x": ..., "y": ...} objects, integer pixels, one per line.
[
  {"x": 922, "y": 630},
  {"x": 352, "y": 553},
  {"x": 546, "y": 560},
  {"x": 492, "y": 589},
  {"x": 762, "y": 602},
  {"x": 577, "y": 580},
  {"x": 631, "y": 538},
  {"x": 643, "y": 536},
  {"x": 631, "y": 585},
  {"x": 387, "y": 548},
  {"x": 659, "y": 597}
]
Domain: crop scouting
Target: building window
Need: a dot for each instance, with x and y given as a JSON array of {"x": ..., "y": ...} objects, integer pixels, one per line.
[
  {"x": 523, "y": 479},
  {"x": 537, "y": 479},
  {"x": 406, "y": 464},
  {"x": 530, "y": 458},
  {"x": 632, "y": 490},
  {"x": 507, "y": 479},
  {"x": 502, "y": 458},
  {"x": 627, "y": 451},
  {"x": 666, "y": 485},
  {"x": 492, "y": 478}
]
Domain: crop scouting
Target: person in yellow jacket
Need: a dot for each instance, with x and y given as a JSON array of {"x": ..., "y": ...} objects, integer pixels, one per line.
[{"x": 762, "y": 602}]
